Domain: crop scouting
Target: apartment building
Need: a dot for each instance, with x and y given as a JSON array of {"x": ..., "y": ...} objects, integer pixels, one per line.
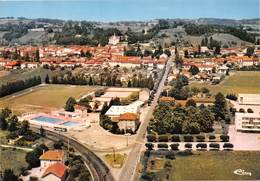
[{"x": 247, "y": 121}]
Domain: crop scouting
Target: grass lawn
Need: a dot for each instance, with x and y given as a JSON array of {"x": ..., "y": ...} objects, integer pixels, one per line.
[
  {"x": 12, "y": 159},
  {"x": 240, "y": 82},
  {"x": 216, "y": 166},
  {"x": 46, "y": 98},
  {"x": 118, "y": 162}
]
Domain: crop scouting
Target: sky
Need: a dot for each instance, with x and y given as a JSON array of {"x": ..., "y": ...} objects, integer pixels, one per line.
[{"x": 118, "y": 10}]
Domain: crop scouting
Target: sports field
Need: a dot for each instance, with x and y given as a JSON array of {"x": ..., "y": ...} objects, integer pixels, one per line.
[
  {"x": 43, "y": 99},
  {"x": 240, "y": 82}
]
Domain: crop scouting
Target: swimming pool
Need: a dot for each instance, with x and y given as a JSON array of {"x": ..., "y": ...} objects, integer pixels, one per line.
[
  {"x": 48, "y": 119},
  {"x": 70, "y": 123}
]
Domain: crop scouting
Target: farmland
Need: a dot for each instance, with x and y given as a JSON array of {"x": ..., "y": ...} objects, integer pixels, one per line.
[
  {"x": 240, "y": 82},
  {"x": 43, "y": 98}
]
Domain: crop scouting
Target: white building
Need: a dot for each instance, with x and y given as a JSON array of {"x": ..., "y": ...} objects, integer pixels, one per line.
[
  {"x": 222, "y": 69},
  {"x": 249, "y": 99},
  {"x": 247, "y": 121},
  {"x": 113, "y": 40},
  {"x": 50, "y": 157},
  {"x": 128, "y": 121},
  {"x": 114, "y": 112}
]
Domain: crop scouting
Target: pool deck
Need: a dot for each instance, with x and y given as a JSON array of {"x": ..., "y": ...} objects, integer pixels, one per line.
[{"x": 31, "y": 119}]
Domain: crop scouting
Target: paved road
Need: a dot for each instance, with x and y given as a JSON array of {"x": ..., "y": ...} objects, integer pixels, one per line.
[{"x": 128, "y": 170}]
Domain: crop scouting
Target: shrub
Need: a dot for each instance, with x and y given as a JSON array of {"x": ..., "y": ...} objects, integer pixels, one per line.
[
  {"x": 163, "y": 138},
  {"x": 12, "y": 135},
  {"x": 186, "y": 152},
  {"x": 241, "y": 110},
  {"x": 233, "y": 110},
  {"x": 201, "y": 145},
  {"x": 188, "y": 138},
  {"x": 249, "y": 110},
  {"x": 162, "y": 145},
  {"x": 224, "y": 138},
  {"x": 227, "y": 120},
  {"x": 214, "y": 145},
  {"x": 147, "y": 176},
  {"x": 231, "y": 97},
  {"x": 200, "y": 138},
  {"x": 151, "y": 138},
  {"x": 175, "y": 146},
  {"x": 99, "y": 93},
  {"x": 176, "y": 138},
  {"x": 170, "y": 155},
  {"x": 149, "y": 146},
  {"x": 228, "y": 146},
  {"x": 188, "y": 145},
  {"x": 212, "y": 137}
]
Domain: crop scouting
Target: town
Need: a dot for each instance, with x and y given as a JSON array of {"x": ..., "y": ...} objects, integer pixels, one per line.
[{"x": 130, "y": 108}]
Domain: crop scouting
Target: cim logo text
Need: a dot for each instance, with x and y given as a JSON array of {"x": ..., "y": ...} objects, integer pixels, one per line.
[{"x": 242, "y": 172}]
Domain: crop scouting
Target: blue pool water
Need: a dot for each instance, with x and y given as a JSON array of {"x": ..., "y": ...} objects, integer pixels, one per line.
[
  {"x": 47, "y": 119},
  {"x": 69, "y": 123}
]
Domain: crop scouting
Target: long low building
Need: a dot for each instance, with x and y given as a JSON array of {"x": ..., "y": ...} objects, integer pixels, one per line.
[
  {"x": 115, "y": 111},
  {"x": 247, "y": 122},
  {"x": 249, "y": 99}
]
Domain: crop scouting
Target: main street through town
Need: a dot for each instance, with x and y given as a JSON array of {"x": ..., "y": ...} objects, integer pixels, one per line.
[{"x": 128, "y": 171}]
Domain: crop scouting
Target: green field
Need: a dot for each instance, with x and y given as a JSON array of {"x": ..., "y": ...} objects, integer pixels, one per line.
[
  {"x": 12, "y": 159},
  {"x": 210, "y": 165},
  {"x": 217, "y": 166},
  {"x": 240, "y": 82},
  {"x": 46, "y": 98}
]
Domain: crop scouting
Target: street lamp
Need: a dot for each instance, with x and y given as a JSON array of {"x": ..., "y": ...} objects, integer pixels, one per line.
[{"x": 127, "y": 134}]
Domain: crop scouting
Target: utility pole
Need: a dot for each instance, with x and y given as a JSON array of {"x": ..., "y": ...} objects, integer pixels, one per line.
[
  {"x": 114, "y": 154},
  {"x": 68, "y": 145}
]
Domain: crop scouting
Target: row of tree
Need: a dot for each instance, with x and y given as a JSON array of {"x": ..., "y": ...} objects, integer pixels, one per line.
[
  {"x": 112, "y": 80},
  {"x": 12, "y": 87}
]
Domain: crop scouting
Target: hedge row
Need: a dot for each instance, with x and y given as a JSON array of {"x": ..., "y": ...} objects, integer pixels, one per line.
[
  {"x": 186, "y": 138},
  {"x": 175, "y": 146}
]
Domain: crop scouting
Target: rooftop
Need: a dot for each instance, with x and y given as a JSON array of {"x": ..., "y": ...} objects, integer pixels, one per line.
[
  {"x": 57, "y": 169},
  {"x": 56, "y": 155}
]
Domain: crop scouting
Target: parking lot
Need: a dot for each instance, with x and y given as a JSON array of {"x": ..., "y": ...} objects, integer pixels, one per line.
[{"x": 244, "y": 141}]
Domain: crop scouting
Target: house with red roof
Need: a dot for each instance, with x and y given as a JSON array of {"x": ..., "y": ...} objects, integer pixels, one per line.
[
  {"x": 30, "y": 65},
  {"x": 55, "y": 172},
  {"x": 128, "y": 121},
  {"x": 3, "y": 62},
  {"x": 12, "y": 65},
  {"x": 50, "y": 157}
]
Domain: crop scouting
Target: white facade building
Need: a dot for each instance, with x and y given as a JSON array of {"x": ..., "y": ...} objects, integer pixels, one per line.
[
  {"x": 113, "y": 40},
  {"x": 247, "y": 121},
  {"x": 249, "y": 99}
]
